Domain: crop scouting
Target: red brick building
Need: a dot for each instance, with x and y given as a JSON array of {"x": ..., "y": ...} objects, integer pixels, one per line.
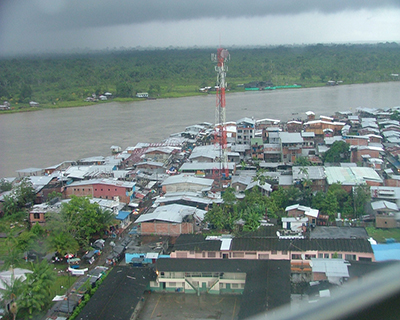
[{"x": 102, "y": 188}]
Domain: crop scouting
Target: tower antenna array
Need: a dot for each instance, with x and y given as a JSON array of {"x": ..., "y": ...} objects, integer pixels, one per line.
[{"x": 220, "y": 136}]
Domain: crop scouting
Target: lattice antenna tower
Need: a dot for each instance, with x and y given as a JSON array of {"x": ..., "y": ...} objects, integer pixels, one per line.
[{"x": 220, "y": 137}]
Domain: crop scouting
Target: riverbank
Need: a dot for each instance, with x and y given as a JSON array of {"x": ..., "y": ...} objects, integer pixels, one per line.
[
  {"x": 170, "y": 95},
  {"x": 46, "y": 138}
]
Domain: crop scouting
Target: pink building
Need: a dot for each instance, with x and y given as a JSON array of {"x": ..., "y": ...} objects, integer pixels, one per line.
[
  {"x": 263, "y": 245},
  {"x": 102, "y": 188}
]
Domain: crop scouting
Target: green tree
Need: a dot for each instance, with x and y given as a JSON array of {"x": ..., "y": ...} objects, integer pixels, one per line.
[
  {"x": 12, "y": 258},
  {"x": 302, "y": 162},
  {"x": 306, "y": 74},
  {"x": 84, "y": 219},
  {"x": 338, "y": 152},
  {"x": 54, "y": 194},
  {"x": 216, "y": 218},
  {"x": 5, "y": 185},
  {"x": 330, "y": 205},
  {"x": 25, "y": 93},
  {"x": 318, "y": 200},
  {"x": 62, "y": 243},
  {"x": 24, "y": 193},
  {"x": 124, "y": 90},
  {"x": 361, "y": 195},
  {"x": 252, "y": 218},
  {"x": 36, "y": 294},
  {"x": 342, "y": 197},
  {"x": 10, "y": 205},
  {"x": 293, "y": 195},
  {"x": 12, "y": 291},
  {"x": 280, "y": 201},
  {"x": 229, "y": 197}
]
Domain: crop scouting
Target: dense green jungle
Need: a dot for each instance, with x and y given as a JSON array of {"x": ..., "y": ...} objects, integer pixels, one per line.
[{"x": 67, "y": 80}]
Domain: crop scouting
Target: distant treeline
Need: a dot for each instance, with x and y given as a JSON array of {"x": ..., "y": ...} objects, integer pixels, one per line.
[{"x": 58, "y": 80}]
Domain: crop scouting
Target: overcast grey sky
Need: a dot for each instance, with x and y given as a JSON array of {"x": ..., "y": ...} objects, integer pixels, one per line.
[{"x": 32, "y": 26}]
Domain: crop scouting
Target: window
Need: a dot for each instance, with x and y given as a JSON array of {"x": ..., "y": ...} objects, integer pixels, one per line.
[
  {"x": 350, "y": 257},
  {"x": 326, "y": 255},
  {"x": 310, "y": 256},
  {"x": 238, "y": 254},
  {"x": 234, "y": 285},
  {"x": 274, "y": 252},
  {"x": 36, "y": 215},
  {"x": 320, "y": 255},
  {"x": 263, "y": 256},
  {"x": 296, "y": 256},
  {"x": 284, "y": 252},
  {"x": 171, "y": 284},
  {"x": 364, "y": 259},
  {"x": 211, "y": 254}
]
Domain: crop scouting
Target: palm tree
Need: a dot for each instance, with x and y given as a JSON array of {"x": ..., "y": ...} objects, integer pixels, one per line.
[
  {"x": 12, "y": 258},
  {"x": 63, "y": 242},
  {"x": 10, "y": 293},
  {"x": 36, "y": 294}
]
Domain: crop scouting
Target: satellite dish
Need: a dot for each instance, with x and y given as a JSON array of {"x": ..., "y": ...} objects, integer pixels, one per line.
[
  {"x": 278, "y": 234},
  {"x": 303, "y": 256},
  {"x": 224, "y": 53}
]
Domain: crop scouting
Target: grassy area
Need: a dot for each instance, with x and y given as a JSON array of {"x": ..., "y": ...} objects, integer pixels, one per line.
[
  {"x": 380, "y": 235},
  {"x": 61, "y": 284}
]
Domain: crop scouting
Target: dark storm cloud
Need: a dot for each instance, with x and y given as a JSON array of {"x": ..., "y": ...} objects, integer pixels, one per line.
[{"x": 62, "y": 14}]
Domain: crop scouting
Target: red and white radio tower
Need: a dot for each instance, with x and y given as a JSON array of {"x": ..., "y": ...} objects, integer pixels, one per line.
[{"x": 220, "y": 139}]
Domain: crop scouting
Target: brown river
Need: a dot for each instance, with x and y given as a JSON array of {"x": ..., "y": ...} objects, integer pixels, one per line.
[{"x": 48, "y": 137}]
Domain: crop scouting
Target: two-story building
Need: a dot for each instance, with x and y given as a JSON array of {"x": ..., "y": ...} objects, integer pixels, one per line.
[
  {"x": 245, "y": 131},
  {"x": 102, "y": 188},
  {"x": 291, "y": 146}
]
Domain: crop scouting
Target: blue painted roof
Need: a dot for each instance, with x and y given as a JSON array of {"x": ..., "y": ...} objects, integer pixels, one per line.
[
  {"x": 122, "y": 215},
  {"x": 384, "y": 252}
]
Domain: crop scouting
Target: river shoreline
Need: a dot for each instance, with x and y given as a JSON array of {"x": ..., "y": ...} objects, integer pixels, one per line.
[
  {"x": 77, "y": 104},
  {"x": 46, "y": 138}
]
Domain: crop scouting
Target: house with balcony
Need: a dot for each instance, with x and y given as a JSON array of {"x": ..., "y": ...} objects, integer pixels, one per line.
[
  {"x": 257, "y": 148},
  {"x": 318, "y": 127},
  {"x": 245, "y": 131},
  {"x": 255, "y": 281},
  {"x": 308, "y": 143},
  {"x": 267, "y": 244},
  {"x": 291, "y": 146},
  {"x": 299, "y": 211}
]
